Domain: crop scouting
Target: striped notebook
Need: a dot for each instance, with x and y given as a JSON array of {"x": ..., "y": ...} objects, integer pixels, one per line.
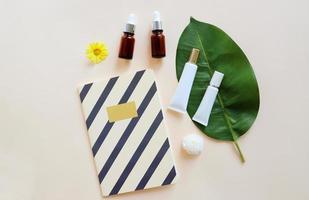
[{"x": 127, "y": 134}]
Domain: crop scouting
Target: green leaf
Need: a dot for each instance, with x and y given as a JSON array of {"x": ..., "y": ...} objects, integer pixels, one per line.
[{"x": 237, "y": 103}]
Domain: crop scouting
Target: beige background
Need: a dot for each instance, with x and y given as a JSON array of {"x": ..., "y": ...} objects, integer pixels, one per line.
[{"x": 44, "y": 149}]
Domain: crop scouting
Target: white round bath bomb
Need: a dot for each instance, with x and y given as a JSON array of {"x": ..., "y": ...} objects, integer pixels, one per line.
[{"x": 193, "y": 144}]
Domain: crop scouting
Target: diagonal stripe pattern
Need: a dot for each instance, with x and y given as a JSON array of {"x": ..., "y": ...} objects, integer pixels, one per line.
[
  {"x": 131, "y": 154},
  {"x": 84, "y": 91},
  {"x": 170, "y": 177},
  {"x": 123, "y": 99},
  {"x": 137, "y": 153},
  {"x": 153, "y": 165},
  {"x": 100, "y": 101},
  {"x": 127, "y": 132}
]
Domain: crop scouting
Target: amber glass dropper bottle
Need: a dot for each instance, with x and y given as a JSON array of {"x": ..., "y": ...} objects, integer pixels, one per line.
[
  {"x": 127, "y": 40},
  {"x": 157, "y": 37}
]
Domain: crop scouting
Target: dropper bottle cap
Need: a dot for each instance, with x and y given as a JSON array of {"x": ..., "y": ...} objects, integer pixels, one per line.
[
  {"x": 130, "y": 25},
  {"x": 194, "y": 55},
  {"x": 156, "y": 21}
]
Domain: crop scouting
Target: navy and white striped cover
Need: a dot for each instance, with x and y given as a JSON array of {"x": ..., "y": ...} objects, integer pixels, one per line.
[{"x": 131, "y": 154}]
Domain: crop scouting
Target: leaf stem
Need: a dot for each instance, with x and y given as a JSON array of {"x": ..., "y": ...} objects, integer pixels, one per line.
[
  {"x": 241, "y": 156},
  {"x": 234, "y": 135}
]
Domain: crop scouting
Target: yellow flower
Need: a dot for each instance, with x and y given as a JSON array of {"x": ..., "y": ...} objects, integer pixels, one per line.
[{"x": 96, "y": 52}]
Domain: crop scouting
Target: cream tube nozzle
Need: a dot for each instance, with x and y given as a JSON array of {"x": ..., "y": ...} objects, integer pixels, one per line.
[
  {"x": 194, "y": 56},
  {"x": 181, "y": 97},
  {"x": 203, "y": 112}
]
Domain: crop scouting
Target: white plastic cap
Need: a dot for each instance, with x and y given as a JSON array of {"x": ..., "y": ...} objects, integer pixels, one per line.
[
  {"x": 132, "y": 19},
  {"x": 216, "y": 79},
  {"x": 156, "y": 16}
]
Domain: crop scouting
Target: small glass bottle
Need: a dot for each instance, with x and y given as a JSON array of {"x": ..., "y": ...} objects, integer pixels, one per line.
[
  {"x": 157, "y": 37},
  {"x": 127, "y": 40}
]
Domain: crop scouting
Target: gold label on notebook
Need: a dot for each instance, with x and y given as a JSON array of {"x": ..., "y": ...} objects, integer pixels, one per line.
[{"x": 121, "y": 111}]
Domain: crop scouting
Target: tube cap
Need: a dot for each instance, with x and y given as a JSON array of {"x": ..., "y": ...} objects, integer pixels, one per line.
[
  {"x": 194, "y": 55},
  {"x": 216, "y": 79}
]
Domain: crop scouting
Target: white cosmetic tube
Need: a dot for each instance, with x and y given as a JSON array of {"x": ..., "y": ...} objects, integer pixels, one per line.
[
  {"x": 181, "y": 97},
  {"x": 203, "y": 112}
]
